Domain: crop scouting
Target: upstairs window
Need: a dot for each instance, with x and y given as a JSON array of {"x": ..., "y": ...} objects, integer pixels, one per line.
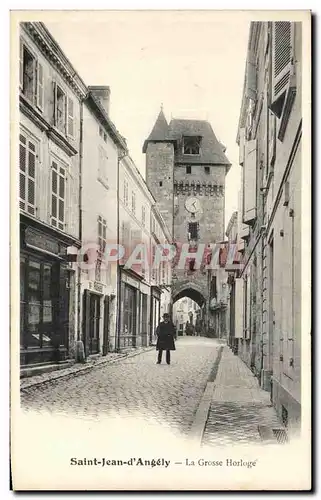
[
  {"x": 31, "y": 77},
  {"x": 102, "y": 134},
  {"x": 27, "y": 174},
  {"x": 207, "y": 170},
  {"x": 133, "y": 202},
  {"x": 102, "y": 233},
  {"x": 58, "y": 195},
  {"x": 188, "y": 170},
  {"x": 191, "y": 145},
  {"x": 59, "y": 108},
  {"x": 125, "y": 192},
  {"x": 103, "y": 167},
  {"x": 143, "y": 215},
  {"x": 193, "y": 230}
]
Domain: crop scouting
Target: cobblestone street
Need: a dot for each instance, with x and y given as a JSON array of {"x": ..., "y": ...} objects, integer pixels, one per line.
[{"x": 169, "y": 395}]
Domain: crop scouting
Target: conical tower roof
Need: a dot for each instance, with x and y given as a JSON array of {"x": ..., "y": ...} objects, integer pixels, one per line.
[{"x": 160, "y": 131}]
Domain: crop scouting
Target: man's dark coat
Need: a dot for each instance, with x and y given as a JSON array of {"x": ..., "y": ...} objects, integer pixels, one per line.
[{"x": 165, "y": 337}]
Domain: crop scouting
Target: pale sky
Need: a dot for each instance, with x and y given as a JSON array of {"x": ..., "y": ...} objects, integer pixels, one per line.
[{"x": 192, "y": 62}]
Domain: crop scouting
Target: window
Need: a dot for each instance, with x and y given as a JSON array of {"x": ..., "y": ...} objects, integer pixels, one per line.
[
  {"x": 58, "y": 188},
  {"x": 191, "y": 145},
  {"x": 102, "y": 233},
  {"x": 103, "y": 134},
  {"x": 193, "y": 230},
  {"x": 188, "y": 170},
  {"x": 27, "y": 174},
  {"x": 133, "y": 202},
  {"x": 103, "y": 167},
  {"x": 160, "y": 183},
  {"x": 31, "y": 77},
  {"x": 143, "y": 215},
  {"x": 59, "y": 108},
  {"x": 125, "y": 192},
  {"x": 207, "y": 170},
  {"x": 38, "y": 291}
]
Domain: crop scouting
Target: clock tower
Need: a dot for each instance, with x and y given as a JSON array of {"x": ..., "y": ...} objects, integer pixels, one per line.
[{"x": 190, "y": 191}]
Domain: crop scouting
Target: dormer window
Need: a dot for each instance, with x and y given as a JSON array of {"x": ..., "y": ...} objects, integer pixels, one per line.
[{"x": 191, "y": 145}]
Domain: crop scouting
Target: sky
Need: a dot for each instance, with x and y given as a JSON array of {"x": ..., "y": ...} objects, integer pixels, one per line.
[{"x": 191, "y": 62}]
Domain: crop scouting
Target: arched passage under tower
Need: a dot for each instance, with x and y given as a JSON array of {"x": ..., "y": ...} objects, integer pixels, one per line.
[{"x": 188, "y": 311}]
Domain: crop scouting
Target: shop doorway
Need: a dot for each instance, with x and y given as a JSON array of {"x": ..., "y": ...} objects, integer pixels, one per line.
[{"x": 91, "y": 321}]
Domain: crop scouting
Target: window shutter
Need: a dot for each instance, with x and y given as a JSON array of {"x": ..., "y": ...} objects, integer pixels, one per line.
[
  {"x": 251, "y": 76},
  {"x": 54, "y": 193},
  {"x": 31, "y": 177},
  {"x": 282, "y": 63},
  {"x": 272, "y": 139},
  {"x": 23, "y": 173},
  {"x": 54, "y": 115},
  {"x": 21, "y": 64},
  {"x": 242, "y": 145},
  {"x": 40, "y": 86},
  {"x": 248, "y": 308},
  {"x": 239, "y": 297},
  {"x": 70, "y": 117},
  {"x": 249, "y": 182}
]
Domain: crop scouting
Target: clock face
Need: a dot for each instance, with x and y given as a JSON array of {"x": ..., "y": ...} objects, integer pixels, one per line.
[{"x": 193, "y": 205}]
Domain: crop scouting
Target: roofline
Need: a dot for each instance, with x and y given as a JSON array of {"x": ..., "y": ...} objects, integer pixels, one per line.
[
  {"x": 135, "y": 173},
  {"x": 254, "y": 34},
  {"x": 42, "y": 36},
  {"x": 162, "y": 222},
  {"x": 94, "y": 102}
]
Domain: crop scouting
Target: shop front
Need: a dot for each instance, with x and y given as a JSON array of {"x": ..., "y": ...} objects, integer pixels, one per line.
[
  {"x": 45, "y": 288},
  {"x": 134, "y": 298},
  {"x": 154, "y": 312},
  {"x": 96, "y": 318}
]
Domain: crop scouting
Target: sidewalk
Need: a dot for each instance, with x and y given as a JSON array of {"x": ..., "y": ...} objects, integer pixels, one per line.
[
  {"x": 81, "y": 368},
  {"x": 238, "y": 405}
]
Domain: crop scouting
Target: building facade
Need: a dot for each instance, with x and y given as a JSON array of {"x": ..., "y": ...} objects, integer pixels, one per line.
[
  {"x": 185, "y": 171},
  {"x": 143, "y": 294},
  {"x": 269, "y": 137},
  {"x": 50, "y": 99},
  {"x": 102, "y": 148}
]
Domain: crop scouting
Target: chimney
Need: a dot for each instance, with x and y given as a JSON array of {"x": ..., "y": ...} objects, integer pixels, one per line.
[{"x": 102, "y": 93}]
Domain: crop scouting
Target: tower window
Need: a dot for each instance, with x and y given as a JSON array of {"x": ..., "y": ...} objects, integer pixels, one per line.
[
  {"x": 193, "y": 230},
  {"x": 207, "y": 170},
  {"x": 188, "y": 170},
  {"x": 191, "y": 145},
  {"x": 160, "y": 183},
  {"x": 192, "y": 265}
]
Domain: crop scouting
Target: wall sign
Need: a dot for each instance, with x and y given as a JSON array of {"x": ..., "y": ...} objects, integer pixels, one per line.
[{"x": 41, "y": 241}]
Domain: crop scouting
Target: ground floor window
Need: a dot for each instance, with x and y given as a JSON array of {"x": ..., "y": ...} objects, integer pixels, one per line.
[{"x": 39, "y": 291}]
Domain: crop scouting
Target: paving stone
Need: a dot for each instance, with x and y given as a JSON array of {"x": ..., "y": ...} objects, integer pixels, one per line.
[{"x": 168, "y": 394}]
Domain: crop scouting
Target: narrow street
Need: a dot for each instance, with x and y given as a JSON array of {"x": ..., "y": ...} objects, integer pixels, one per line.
[{"x": 167, "y": 395}]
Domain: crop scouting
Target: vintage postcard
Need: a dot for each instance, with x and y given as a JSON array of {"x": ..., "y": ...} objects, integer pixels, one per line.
[{"x": 160, "y": 212}]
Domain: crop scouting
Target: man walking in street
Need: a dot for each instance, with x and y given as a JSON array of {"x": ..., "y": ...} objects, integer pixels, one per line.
[{"x": 165, "y": 333}]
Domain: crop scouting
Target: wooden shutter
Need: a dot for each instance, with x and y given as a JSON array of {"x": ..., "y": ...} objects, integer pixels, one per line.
[
  {"x": 23, "y": 171},
  {"x": 248, "y": 307},
  {"x": 106, "y": 325},
  {"x": 21, "y": 64},
  {"x": 272, "y": 139},
  {"x": 70, "y": 117},
  {"x": 282, "y": 63},
  {"x": 31, "y": 187},
  {"x": 241, "y": 146},
  {"x": 40, "y": 86},
  {"x": 249, "y": 182},
  {"x": 54, "y": 114},
  {"x": 86, "y": 321},
  {"x": 63, "y": 305},
  {"x": 239, "y": 297},
  {"x": 251, "y": 78}
]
